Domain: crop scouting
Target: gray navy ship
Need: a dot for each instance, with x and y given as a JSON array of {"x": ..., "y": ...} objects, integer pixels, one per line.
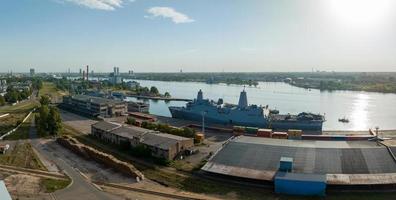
[{"x": 245, "y": 115}]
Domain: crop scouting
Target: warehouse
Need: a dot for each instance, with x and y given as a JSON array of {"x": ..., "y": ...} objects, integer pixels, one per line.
[
  {"x": 94, "y": 106},
  {"x": 161, "y": 145},
  {"x": 348, "y": 162}
]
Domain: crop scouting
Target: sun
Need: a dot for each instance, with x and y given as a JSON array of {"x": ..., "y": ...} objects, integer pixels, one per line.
[{"x": 362, "y": 13}]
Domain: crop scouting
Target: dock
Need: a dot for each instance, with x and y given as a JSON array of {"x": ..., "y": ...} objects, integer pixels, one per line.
[{"x": 158, "y": 98}]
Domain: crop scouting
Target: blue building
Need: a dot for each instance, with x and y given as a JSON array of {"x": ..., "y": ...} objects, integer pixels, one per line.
[{"x": 300, "y": 184}]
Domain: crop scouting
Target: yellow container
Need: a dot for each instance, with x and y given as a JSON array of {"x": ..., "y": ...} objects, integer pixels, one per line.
[
  {"x": 200, "y": 137},
  {"x": 294, "y": 133}
]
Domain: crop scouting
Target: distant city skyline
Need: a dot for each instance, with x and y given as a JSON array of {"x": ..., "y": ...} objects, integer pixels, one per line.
[{"x": 197, "y": 36}]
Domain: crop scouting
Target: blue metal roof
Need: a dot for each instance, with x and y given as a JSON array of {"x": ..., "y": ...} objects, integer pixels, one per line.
[{"x": 301, "y": 177}]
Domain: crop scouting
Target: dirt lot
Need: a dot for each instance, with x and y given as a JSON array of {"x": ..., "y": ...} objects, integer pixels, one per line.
[
  {"x": 77, "y": 122},
  {"x": 92, "y": 169},
  {"x": 21, "y": 154},
  {"x": 25, "y": 187}
]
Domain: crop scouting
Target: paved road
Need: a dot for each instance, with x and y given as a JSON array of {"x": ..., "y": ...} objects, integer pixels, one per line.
[{"x": 80, "y": 188}]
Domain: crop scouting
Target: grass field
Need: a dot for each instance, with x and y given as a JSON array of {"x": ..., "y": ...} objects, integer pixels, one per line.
[
  {"x": 25, "y": 106},
  {"x": 22, "y": 155},
  {"x": 10, "y": 122},
  {"x": 51, "y": 185},
  {"x": 51, "y": 90},
  {"x": 22, "y": 132}
]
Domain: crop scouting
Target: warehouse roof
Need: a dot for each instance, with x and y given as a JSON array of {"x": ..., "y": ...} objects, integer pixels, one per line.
[
  {"x": 147, "y": 137},
  {"x": 97, "y": 100},
  {"x": 130, "y": 131},
  {"x": 106, "y": 126},
  {"x": 161, "y": 140},
  {"x": 246, "y": 155}
]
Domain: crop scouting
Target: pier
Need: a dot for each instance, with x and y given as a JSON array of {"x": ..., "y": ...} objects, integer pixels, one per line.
[{"x": 158, "y": 98}]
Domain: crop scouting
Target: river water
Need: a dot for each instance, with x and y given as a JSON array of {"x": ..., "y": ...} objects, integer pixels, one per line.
[{"x": 363, "y": 109}]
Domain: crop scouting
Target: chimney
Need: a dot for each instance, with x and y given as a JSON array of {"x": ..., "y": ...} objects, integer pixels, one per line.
[
  {"x": 87, "y": 71},
  {"x": 83, "y": 75}
]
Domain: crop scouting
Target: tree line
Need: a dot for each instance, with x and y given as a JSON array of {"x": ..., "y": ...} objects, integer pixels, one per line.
[{"x": 48, "y": 120}]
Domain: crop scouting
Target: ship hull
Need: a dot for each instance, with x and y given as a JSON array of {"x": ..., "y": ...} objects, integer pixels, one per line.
[
  {"x": 211, "y": 118},
  {"x": 279, "y": 125}
]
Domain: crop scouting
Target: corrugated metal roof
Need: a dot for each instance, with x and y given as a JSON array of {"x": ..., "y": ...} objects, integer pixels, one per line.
[
  {"x": 4, "y": 194},
  {"x": 160, "y": 140},
  {"x": 318, "y": 160}
]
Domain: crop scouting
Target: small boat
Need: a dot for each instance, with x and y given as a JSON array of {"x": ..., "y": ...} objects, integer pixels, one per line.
[{"x": 343, "y": 120}]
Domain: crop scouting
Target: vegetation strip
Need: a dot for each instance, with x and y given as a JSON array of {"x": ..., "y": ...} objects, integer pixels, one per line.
[
  {"x": 16, "y": 128},
  {"x": 32, "y": 171}
]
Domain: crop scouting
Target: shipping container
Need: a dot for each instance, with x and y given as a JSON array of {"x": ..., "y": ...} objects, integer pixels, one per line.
[
  {"x": 199, "y": 137},
  {"x": 264, "y": 133},
  {"x": 251, "y": 130},
  {"x": 300, "y": 184},
  {"x": 238, "y": 129},
  {"x": 294, "y": 133},
  {"x": 279, "y": 135}
]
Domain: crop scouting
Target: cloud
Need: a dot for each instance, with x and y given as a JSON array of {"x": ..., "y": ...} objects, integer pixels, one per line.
[
  {"x": 168, "y": 12},
  {"x": 99, "y": 4}
]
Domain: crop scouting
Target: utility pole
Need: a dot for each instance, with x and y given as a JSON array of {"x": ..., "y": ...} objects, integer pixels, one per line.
[{"x": 203, "y": 122}]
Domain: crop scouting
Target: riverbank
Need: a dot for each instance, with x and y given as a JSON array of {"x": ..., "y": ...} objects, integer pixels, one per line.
[{"x": 384, "y": 133}]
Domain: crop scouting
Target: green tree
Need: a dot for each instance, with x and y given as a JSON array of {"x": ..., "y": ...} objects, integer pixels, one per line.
[
  {"x": 12, "y": 96},
  {"x": 167, "y": 94},
  {"x": 2, "y": 101},
  {"x": 45, "y": 100},
  {"x": 43, "y": 118},
  {"x": 154, "y": 90},
  {"x": 54, "y": 121},
  {"x": 131, "y": 121}
]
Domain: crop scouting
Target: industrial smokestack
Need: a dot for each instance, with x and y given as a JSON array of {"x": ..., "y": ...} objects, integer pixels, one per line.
[
  {"x": 87, "y": 71},
  {"x": 83, "y": 75}
]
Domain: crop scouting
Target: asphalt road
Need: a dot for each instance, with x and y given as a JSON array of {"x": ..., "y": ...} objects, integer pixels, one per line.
[{"x": 80, "y": 187}]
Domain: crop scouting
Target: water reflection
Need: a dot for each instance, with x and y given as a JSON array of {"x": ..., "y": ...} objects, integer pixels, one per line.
[{"x": 359, "y": 113}]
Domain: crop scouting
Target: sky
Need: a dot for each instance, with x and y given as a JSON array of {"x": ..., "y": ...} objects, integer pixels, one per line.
[{"x": 198, "y": 35}]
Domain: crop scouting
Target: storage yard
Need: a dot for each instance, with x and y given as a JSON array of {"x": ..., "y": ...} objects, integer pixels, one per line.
[{"x": 344, "y": 162}]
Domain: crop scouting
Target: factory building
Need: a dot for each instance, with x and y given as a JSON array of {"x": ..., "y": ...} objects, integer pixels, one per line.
[
  {"x": 94, "y": 106},
  {"x": 162, "y": 145},
  {"x": 115, "y": 77}
]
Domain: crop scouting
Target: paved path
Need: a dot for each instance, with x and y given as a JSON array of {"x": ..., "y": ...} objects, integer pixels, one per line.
[{"x": 80, "y": 187}]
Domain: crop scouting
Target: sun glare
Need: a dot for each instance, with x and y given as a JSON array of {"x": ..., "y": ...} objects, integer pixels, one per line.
[{"x": 361, "y": 13}]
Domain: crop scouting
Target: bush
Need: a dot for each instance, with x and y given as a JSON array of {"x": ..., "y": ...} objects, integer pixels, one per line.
[{"x": 131, "y": 121}]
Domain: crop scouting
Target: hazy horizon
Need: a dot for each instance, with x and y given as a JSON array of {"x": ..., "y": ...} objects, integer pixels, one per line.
[{"x": 198, "y": 36}]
